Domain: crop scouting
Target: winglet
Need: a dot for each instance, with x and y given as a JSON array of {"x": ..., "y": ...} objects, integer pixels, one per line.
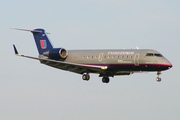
[{"x": 15, "y": 50}]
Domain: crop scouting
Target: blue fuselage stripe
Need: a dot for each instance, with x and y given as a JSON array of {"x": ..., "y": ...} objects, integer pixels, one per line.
[{"x": 132, "y": 67}]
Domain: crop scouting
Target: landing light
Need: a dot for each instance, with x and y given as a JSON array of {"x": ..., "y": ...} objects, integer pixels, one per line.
[{"x": 104, "y": 68}]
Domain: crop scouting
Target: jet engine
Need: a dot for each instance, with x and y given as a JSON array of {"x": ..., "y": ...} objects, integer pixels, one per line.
[{"x": 56, "y": 53}]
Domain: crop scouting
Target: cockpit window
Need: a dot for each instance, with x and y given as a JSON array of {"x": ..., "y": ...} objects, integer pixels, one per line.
[
  {"x": 154, "y": 54},
  {"x": 158, "y": 55},
  {"x": 149, "y": 54}
]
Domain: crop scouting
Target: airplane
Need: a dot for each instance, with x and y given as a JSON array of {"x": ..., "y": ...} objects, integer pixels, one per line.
[{"x": 106, "y": 63}]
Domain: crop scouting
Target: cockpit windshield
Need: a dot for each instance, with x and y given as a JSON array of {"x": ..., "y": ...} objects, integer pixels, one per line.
[
  {"x": 149, "y": 54},
  {"x": 158, "y": 55},
  {"x": 154, "y": 54}
]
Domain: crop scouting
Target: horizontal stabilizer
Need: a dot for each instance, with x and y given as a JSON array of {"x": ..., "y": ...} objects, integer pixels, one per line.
[
  {"x": 33, "y": 31},
  {"x": 26, "y": 30}
]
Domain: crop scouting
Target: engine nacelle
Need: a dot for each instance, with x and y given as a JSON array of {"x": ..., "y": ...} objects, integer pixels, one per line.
[{"x": 56, "y": 53}]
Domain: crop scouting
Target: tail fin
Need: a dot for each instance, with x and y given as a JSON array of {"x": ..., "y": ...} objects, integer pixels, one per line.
[{"x": 42, "y": 42}]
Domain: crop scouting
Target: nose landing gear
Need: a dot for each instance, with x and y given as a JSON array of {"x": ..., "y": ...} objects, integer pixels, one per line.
[{"x": 158, "y": 79}]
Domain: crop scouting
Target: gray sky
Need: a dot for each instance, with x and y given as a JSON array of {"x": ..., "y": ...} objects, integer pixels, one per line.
[{"x": 32, "y": 91}]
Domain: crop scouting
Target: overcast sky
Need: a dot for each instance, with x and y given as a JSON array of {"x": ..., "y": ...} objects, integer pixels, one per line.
[{"x": 32, "y": 91}]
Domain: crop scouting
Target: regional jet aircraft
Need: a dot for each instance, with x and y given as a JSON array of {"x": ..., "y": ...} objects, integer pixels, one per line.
[{"x": 106, "y": 63}]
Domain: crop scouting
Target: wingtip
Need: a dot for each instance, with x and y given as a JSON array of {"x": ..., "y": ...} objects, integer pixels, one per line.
[{"x": 15, "y": 50}]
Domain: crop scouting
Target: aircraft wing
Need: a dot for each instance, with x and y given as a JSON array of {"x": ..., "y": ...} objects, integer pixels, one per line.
[{"x": 73, "y": 67}]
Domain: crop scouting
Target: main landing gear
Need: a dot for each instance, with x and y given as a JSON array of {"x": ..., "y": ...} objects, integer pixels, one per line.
[
  {"x": 105, "y": 79},
  {"x": 86, "y": 77},
  {"x": 158, "y": 79}
]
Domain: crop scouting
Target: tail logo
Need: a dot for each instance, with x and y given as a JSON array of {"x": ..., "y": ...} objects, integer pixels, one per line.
[{"x": 43, "y": 44}]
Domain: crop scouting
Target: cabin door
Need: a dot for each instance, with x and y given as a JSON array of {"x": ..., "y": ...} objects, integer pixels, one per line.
[
  {"x": 136, "y": 59},
  {"x": 100, "y": 57}
]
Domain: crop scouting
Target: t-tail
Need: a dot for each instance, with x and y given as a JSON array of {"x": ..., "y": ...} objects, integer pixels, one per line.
[{"x": 42, "y": 42}]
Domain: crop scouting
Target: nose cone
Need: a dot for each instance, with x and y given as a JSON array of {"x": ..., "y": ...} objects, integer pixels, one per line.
[{"x": 168, "y": 64}]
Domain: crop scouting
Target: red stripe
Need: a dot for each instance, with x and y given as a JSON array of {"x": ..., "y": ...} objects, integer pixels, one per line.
[{"x": 42, "y": 44}]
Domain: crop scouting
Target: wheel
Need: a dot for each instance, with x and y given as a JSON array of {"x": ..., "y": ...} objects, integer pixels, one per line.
[
  {"x": 105, "y": 79},
  {"x": 86, "y": 77},
  {"x": 158, "y": 79}
]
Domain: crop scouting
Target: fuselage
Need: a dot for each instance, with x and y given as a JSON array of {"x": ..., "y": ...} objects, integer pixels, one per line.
[
  {"x": 106, "y": 63},
  {"x": 121, "y": 60}
]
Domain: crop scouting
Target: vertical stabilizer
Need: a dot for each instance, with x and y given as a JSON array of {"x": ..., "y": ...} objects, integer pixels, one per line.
[{"x": 42, "y": 42}]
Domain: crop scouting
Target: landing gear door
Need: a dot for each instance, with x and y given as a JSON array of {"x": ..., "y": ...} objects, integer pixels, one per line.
[{"x": 136, "y": 59}]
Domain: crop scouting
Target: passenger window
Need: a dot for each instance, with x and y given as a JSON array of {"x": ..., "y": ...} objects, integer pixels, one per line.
[{"x": 149, "y": 54}]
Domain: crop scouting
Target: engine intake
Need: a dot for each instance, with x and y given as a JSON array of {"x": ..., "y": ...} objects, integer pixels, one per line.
[{"x": 56, "y": 53}]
